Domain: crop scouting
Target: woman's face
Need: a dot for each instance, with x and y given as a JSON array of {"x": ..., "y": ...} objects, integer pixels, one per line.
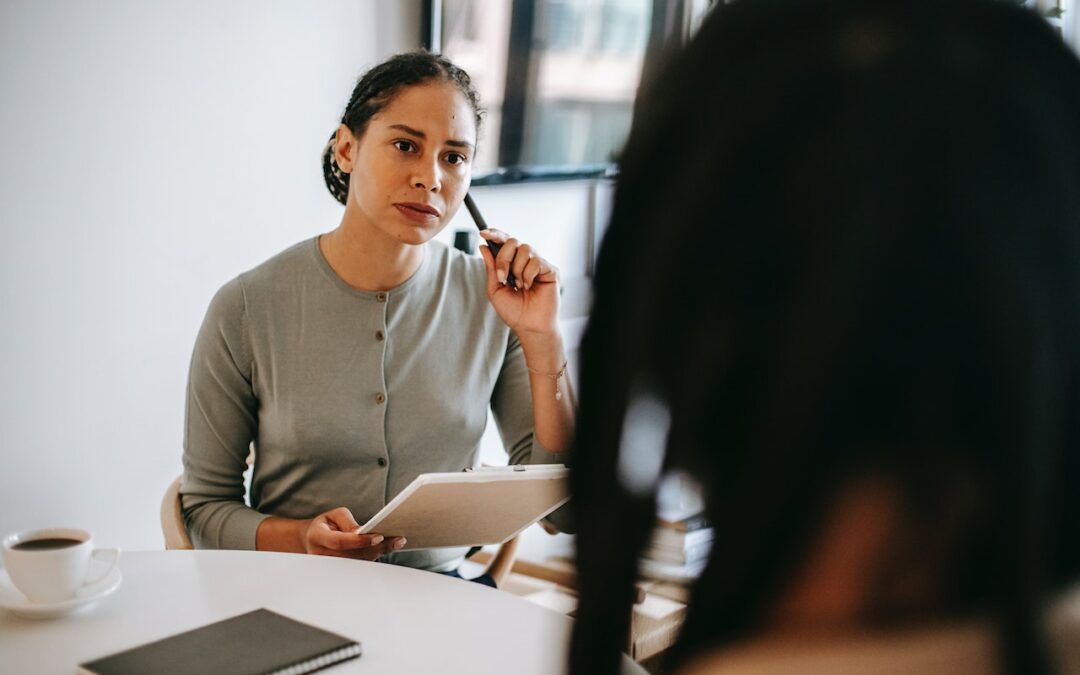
[{"x": 411, "y": 168}]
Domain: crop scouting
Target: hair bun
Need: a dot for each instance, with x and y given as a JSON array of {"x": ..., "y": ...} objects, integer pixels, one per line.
[{"x": 337, "y": 181}]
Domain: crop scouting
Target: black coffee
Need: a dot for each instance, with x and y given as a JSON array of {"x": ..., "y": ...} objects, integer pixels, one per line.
[{"x": 45, "y": 544}]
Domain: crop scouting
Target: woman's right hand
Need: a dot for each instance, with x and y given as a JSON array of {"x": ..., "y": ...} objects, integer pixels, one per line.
[{"x": 336, "y": 533}]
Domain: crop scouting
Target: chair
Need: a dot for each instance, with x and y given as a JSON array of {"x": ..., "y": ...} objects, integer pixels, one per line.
[
  {"x": 176, "y": 535},
  {"x": 172, "y": 519}
]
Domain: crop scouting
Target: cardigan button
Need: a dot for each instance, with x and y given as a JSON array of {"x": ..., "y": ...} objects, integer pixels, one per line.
[
  {"x": 381, "y": 297},
  {"x": 380, "y": 397},
  {"x": 380, "y": 336},
  {"x": 382, "y": 461}
]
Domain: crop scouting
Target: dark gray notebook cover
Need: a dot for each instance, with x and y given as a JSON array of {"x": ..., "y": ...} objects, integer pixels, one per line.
[{"x": 256, "y": 643}]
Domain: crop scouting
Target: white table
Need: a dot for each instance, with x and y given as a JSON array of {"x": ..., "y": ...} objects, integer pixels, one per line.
[{"x": 408, "y": 621}]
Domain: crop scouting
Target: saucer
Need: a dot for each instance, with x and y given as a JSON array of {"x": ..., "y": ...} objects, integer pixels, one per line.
[{"x": 14, "y": 601}]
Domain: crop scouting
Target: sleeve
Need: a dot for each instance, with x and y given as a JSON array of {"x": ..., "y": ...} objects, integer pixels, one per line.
[
  {"x": 511, "y": 405},
  {"x": 220, "y": 423}
]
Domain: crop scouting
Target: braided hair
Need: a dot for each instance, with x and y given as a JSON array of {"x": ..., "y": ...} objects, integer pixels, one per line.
[{"x": 375, "y": 90}]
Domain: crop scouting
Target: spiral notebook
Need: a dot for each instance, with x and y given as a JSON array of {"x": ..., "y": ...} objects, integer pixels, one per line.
[{"x": 257, "y": 643}]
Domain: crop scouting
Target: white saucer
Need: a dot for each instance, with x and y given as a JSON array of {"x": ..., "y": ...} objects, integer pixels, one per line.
[{"x": 14, "y": 601}]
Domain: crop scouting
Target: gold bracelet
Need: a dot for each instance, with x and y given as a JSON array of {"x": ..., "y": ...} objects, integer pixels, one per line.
[{"x": 555, "y": 376}]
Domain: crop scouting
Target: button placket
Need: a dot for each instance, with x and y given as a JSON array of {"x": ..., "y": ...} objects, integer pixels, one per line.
[{"x": 380, "y": 397}]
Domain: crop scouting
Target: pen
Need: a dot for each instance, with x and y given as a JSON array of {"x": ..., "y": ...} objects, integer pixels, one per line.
[{"x": 481, "y": 225}]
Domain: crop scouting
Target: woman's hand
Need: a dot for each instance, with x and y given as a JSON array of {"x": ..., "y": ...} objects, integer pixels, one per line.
[
  {"x": 533, "y": 306},
  {"x": 336, "y": 533},
  {"x": 531, "y": 310}
]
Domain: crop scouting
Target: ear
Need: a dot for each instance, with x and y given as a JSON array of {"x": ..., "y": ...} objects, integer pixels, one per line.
[{"x": 345, "y": 148}]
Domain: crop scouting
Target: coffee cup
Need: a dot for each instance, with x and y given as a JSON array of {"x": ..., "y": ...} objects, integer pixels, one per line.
[{"x": 53, "y": 564}]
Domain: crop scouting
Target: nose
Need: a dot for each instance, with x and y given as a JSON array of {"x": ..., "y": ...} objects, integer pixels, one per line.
[{"x": 427, "y": 176}]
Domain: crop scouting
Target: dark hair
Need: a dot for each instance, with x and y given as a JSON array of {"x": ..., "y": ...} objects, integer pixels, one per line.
[
  {"x": 377, "y": 88},
  {"x": 845, "y": 241}
]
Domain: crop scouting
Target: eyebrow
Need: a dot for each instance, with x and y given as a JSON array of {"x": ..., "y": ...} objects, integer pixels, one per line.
[{"x": 422, "y": 135}]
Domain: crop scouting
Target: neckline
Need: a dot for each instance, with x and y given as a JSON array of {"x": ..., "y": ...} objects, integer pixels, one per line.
[{"x": 400, "y": 289}]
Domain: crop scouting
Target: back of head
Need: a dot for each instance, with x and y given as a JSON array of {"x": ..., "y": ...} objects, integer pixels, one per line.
[{"x": 845, "y": 242}]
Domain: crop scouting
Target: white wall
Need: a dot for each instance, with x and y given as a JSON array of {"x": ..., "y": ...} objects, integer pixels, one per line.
[{"x": 150, "y": 151}]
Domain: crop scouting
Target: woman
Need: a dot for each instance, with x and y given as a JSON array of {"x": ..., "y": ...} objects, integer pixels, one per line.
[
  {"x": 872, "y": 367},
  {"x": 358, "y": 359}
]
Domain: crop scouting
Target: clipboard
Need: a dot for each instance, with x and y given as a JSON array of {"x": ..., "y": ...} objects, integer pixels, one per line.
[{"x": 488, "y": 505}]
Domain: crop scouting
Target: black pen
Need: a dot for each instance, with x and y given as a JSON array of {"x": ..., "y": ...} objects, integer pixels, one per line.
[{"x": 481, "y": 225}]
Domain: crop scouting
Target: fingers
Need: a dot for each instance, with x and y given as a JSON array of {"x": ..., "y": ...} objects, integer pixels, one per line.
[
  {"x": 538, "y": 271},
  {"x": 516, "y": 261},
  {"x": 359, "y": 546},
  {"x": 505, "y": 256},
  {"x": 497, "y": 236},
  {"x": 342, "y": 544},
  {"x": 336, "y": 533},
  {"x": 489, "y": 263},
  {"x": 523, "y": 255},
  {"x": 324, "y": 534},
  {"x": 342, "y": 519},
  {"x": 530, "y": 269},
  {"x": 388, "y": 545}
]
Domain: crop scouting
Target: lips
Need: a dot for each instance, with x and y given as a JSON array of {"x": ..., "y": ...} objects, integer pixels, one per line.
[{"x": 418, "y": 212}]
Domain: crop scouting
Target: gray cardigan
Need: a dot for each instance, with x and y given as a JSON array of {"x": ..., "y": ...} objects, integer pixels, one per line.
[{"x": 346, "y": 395}]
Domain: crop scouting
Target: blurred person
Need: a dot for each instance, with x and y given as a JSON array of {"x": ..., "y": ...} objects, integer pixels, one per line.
[
  {"x": 840, "y": 289},
  {"x": 358, "y": 359}
]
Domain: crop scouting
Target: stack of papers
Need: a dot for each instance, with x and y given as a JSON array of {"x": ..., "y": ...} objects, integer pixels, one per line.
[{"x": 678, "y": 549}]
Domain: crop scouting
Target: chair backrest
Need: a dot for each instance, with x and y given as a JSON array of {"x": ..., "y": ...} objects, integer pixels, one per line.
[{"x": 172, "y": 519}]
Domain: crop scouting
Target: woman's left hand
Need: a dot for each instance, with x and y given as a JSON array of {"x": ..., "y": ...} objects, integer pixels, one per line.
[{"x": 533, "y": 306}]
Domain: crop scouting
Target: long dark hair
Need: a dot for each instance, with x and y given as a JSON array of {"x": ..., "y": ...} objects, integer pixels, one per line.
[
  {"x": 374, "y": 91},
  {"x": 845, "y": 239}
]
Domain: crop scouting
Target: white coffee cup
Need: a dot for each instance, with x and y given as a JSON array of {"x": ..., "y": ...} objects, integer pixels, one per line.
[{"x": 52, "y": 564}]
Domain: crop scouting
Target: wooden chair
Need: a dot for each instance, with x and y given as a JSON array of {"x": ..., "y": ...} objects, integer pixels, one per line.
[
  {"x": 172, "y": 519},
  {"x": 176, "y": 535}
]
